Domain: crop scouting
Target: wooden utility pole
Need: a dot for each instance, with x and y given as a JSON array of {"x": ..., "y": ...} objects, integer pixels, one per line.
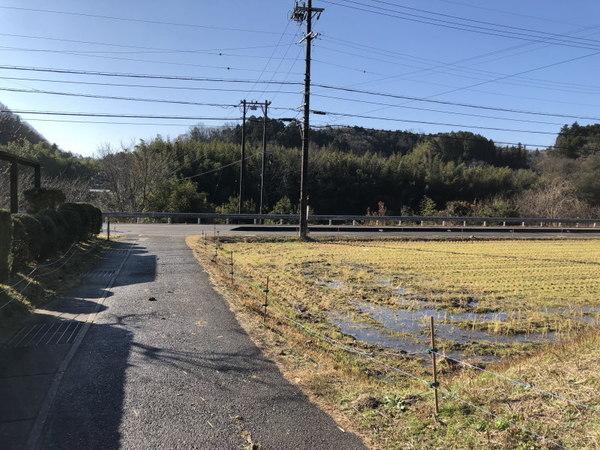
[
  {"x": 243, "y": 159},
  {"x": 264, "y": 155},
  {"x": 301, "y": 14}
]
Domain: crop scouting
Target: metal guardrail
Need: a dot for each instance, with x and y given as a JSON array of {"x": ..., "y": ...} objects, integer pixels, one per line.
[{"x": 356, "y": 220}]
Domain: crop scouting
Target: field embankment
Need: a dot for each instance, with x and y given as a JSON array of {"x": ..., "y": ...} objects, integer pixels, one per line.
[{"x": 515, "y": 321}]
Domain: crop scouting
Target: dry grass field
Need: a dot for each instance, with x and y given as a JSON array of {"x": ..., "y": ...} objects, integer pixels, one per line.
[{"x": 344, "y": 317}]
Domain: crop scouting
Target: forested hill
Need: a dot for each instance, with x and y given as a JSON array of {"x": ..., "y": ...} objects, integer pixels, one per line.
[
  {"x": 13, "y": 128},
  {"x": 351, "y": 170},
  {"x": 461, "y": 147}
]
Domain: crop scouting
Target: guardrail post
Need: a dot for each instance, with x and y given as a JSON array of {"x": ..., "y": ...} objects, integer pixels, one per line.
[
  {"x": 280, "y": 221},
  {"x": 504, "y": 223},
  {"x": 169, "y": 220},
  {"x": 443, "y": 223},
  {"x": 522, "y": 224},
  {"x": 485, "y": 223},
  {"x": 594, "y": 226},
  {"x": 464, "y": 223},
  {"x": 254, "y": 221},
  {"x": 422, "y": 222},
  {"x": 353, "y": 223},
  {"x": 199, "y": 220},
  {"x": 399, "y": 223},
  {"x": 330, "y": 222}
]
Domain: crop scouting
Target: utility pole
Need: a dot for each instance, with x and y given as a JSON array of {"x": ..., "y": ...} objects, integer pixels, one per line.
[
  {"x": 243, "y": 160},
  {"x": 264, "y": 155},
  {"x": 301, "y": 14}
]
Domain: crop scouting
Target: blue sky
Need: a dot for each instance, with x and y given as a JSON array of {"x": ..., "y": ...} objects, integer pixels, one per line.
[{"x": 356, "y": 49}]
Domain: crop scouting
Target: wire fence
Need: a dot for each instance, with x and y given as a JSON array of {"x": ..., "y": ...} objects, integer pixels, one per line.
[
  {"x": 29, "y": 279},
  {"x": 272, "y": 310}
]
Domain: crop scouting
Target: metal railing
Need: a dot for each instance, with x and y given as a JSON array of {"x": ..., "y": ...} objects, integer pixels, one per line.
[{"x": 364, "y": 220}]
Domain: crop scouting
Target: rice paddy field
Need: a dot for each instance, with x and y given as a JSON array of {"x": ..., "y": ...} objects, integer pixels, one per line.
[{"x": 515, "y": 323}]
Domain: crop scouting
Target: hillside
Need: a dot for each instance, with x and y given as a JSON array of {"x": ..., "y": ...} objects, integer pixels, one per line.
[{"x": 13, "y": 128}]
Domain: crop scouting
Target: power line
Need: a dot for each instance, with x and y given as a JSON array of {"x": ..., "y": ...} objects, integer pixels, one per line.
[
  {"x": 482, "y": 22},
  {"x": 438, "y": 64},
  {"x": 444, "y": 102},
  {"x": 140, "y": 75},
  {"x": 112, "y": 122},
  {"x": 136, "y": 20},
  {"x": 218, "y": 168},
  {"x": 392, "y": 119},
  {"x": 138, "y": 47},
  {"x": 456, "y": 113},
  {"x": 129, "y": 116},
  {"x": 502, "y": 11},
  {"x": 135, "y": 99},
  {"x": 122, "y": 58},
  {"x": 153, "y": 86},
  {"x": 459, "y": 26},
  {"x": 443, "y": 135},
  {"x": 262, "y": 72}
]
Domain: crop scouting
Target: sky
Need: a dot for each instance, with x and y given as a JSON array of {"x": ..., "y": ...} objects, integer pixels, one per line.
[{"x": 423, "y": 56}]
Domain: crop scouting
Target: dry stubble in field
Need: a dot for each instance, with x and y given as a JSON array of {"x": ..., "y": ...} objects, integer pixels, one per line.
[{"x": 543, "y": 283}]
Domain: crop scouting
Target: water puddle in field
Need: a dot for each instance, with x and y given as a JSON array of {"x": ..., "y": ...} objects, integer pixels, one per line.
[
  {"x": 331, "y": 284},
  {"x": 415, "y": 323},
  {"x": 407, "y": 330}
]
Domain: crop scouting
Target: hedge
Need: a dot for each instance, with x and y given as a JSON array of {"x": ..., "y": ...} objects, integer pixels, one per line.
[
  {"x": 40, "y": 236},
  {"x": 27, "y": 245},
  {"x": 5, "y": 244},
  {"x": 40, "y": 199}
]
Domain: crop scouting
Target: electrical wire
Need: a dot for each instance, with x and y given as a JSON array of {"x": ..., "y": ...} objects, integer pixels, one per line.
[
  {"x": 445, "y": 102},
  {"x": 458, "y": 26},
  {"x": 130, "y": 116},
  {"x": 135, "y": 99},
  {"x": 121, "y": 58},
  {"x": 133, "y": 19},
  {"x": 135, "y": 85},
  {"x": 141, "y": 75}
]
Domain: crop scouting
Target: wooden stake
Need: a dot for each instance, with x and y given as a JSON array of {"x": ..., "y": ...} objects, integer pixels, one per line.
[
  {"x": 433, "y": 352},
  {"x": 266, "y": 291}
]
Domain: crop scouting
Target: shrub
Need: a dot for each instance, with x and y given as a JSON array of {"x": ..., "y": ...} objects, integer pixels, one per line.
[
  {"x": 96, "y": 214},
  {"x": 283, "y": 206},
  {"x": 42, "y": 199},
  {"x": 49, "y": 240},
  {"x": 64, "y": 237},
  {"x": 5, "y": 244},
  {"x": 88, "y": 221},
  {"x": 28, "y": 237}
]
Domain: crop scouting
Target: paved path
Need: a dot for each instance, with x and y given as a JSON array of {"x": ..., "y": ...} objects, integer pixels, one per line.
[{"x": 178, "y": 372}]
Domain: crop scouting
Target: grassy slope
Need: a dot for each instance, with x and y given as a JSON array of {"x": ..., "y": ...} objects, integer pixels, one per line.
[
  {"x": 392, "y": 410},
  {"x": 45, "y": 283}
]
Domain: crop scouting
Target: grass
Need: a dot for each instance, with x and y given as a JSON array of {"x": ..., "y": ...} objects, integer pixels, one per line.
[
  {"x": 540, "y": 282},
  {"x": 34, "y": 286}
]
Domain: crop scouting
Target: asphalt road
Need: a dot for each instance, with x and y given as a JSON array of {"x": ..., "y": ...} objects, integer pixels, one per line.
[{"x": 177, "y": 372}]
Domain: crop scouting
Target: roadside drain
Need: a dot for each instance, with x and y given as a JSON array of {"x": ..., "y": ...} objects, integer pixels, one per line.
[
  {"x": 41, "y": 334},
  {"x": 100, "y": 274}
]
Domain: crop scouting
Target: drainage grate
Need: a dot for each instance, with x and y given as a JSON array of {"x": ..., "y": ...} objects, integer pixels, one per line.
[
  {"x": 53, "y": 332},
  {"x": 100, "y": 274},
  {"x": 118, "y": 251}
]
